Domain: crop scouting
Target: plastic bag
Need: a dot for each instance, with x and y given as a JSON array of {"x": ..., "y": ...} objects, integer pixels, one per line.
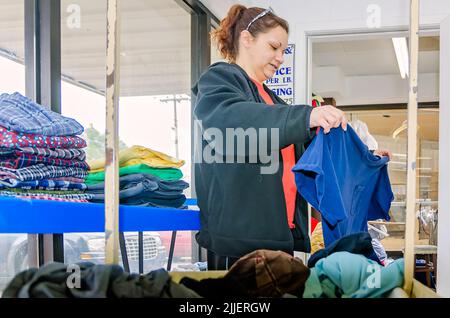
[{"x": 362, "y": 131}]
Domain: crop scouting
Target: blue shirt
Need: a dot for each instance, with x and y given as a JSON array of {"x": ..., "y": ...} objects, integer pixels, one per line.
[{"x": 345, "y": 182}]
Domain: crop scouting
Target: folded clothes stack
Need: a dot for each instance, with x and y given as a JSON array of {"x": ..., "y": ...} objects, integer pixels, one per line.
[
  {"x": 147, "y": 178},
  {"x": 41, "y": 152}
]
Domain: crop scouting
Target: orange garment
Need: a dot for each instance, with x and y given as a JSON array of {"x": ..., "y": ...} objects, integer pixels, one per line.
[
  {"x": 288, "y": 155},
  {"x": 314, "y": 223}
]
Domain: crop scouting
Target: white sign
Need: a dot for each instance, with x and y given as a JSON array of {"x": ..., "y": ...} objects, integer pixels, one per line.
[{"x": 282, "y": 83}]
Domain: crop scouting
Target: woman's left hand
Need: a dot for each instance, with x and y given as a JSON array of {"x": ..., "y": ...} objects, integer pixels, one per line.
[{"x": 383, "y": 153}]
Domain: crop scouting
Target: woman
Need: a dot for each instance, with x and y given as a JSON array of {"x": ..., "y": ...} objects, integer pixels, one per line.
[{"x": 244, "y": 207}]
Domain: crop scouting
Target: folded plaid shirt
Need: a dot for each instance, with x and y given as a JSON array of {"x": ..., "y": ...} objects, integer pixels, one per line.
[
  {"x": 6, "y": 151},
  {"x": 11, "y": 139},
  {"x": 43, "y": 192},
  {"x": 76, "y": 154},
  {"x": 21, "y": 160},
  {"x": 41, "y": 171},
  {"x": 81, "y": 196},
  {"x": 48, "y": 198},
  {"x": 42, "y": 185},
  {"x": 18, "y": 113}
]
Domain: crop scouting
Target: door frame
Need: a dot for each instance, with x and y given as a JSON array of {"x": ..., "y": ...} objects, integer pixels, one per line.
[{"x": 443, "y": 262}]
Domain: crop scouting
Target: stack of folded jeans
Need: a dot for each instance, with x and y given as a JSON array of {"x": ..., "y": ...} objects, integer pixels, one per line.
[
  {"x": 144, "y": 190},
  {"x": 41, "y": 154},
  {"x": 147, "y": 178}
]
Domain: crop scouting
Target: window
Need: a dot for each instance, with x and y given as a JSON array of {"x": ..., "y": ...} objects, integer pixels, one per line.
[
  {"x": 12, "y": 246},
  {"x": 83, "y": 56},
  {"x": 155, "y": 97},
  {"x": 155, "y": 89}
]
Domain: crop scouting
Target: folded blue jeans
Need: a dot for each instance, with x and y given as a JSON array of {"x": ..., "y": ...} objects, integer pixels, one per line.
[
  {"x": 143, "y": 200},
  {"x": 129, "y": 181},
  {"x": 144, "y": 190}
]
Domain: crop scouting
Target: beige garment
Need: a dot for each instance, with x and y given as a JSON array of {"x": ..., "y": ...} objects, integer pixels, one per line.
[{"x": 317, "y": 239}]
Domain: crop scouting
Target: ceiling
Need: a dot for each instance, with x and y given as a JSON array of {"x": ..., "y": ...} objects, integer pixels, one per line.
[
  {"x": 373, "y": 56},
  {"x": 155, "y": 44}
]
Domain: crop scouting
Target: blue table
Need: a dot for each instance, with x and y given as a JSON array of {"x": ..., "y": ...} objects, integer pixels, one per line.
[
  {"x": 55, "y": 217},
  {"x": 18, "y": 215}
]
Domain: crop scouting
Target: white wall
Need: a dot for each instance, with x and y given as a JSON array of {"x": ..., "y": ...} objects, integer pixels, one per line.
[{"x": 374, "y": 89}]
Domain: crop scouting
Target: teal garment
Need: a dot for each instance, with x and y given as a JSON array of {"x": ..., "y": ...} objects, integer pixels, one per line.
[
  {"x": 347, "y": 275},
  {"x": 167, "y": 174}
]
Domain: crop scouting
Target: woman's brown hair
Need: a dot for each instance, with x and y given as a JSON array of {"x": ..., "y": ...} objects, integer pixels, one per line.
[{"x": 237, "y": 20}]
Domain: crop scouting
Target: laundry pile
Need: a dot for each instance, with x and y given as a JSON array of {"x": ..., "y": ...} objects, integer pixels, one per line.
[{"x": 262, "y": 273}]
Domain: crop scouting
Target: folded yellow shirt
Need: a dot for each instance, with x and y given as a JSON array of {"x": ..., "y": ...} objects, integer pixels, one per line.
[{"x": 139, "y": 155}]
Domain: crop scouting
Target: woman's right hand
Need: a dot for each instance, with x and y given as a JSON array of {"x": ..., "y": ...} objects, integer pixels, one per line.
[{"x": 327, "y": 117}]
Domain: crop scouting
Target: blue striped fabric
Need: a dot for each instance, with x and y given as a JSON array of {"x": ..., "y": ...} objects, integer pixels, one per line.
[
  {"x": 42, "y": 184},
  {"x": 20, "y": 114},
  {"x": 77, "y": 154},
  {"x": 77, "y": 196},
  {"x": 41, "y": 171}
]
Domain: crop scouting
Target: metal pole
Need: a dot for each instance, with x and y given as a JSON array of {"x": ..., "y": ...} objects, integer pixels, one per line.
[
  {"x": 43, "y": 85},
  {"x": 200, "y": 61},
  {"x": 175, "y": 100},
  {"x": 123, "y": 250},
  {"x": 171, "y": 250},
  {"x": 141, "y": 252},
  {"x": 33, "y": 91},
  {"x": 111, "y": 140},
  {"x": 412, "y": 147}
]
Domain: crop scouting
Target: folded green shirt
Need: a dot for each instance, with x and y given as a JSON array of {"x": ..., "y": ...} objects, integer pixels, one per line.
[{"x": 168, "y": 174}]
